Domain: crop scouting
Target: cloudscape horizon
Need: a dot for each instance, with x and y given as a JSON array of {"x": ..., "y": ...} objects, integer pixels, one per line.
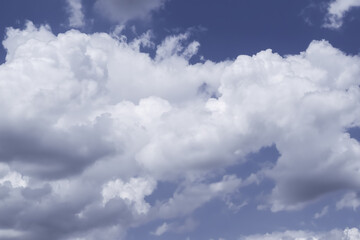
[{"x": 169, "y": 119}]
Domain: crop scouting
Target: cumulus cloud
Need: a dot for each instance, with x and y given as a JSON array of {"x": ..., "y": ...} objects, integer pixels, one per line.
[
  {"x": 90, "y": 125},
  {"x": 337, "y": 10},
  {"x": 13, "y": 178},
  {"x": 76, "y": 18},
  {"x": 132, "y": 193},
  {"x": 348, "y": 234},
  {"x": 123, "y": 10}
]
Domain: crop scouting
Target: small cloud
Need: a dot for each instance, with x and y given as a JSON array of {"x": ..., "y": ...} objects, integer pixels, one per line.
[
  {"x": 161, "y": 229},
  {"x": 122, "y": 11},
  {"x": 350, "y": 200},
  {"x": 322, "y": 213},
  {"x": 337, "y": 11},
  {"x": 76, "y": 18},
  {"x": 132, "y": 192},
  {"x": 177, "y": 227}
]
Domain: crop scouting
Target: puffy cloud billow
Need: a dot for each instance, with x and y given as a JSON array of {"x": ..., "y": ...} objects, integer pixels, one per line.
[{"x": 90, "y": 125}]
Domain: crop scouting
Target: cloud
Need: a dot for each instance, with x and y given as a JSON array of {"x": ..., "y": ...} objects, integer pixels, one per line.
[
  {"x": 10, "y": 234},
  {"x": 90, "y": 125},
  {"x": 172, "y": 46},
  {"x": 349, "y": 234},
  {"x": 11, "y": 177},
  {"x": 337, "y": 10},
  {"x": 161, "y": 229},
  {"x": 322, "y": 213},
  {"x": 350, "y": 200},
  {"x": 132, "y": 193},
  {"x": 76, "y": 18},
  {"x": 184, "y": 202},
  {"x": 123, "y": 10},
  {"x": 187, "y": 226}
]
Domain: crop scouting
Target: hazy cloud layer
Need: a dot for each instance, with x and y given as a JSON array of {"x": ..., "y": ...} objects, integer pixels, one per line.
[
  {"x": 90, "y": 125},
  {"x": 347, "y": 234}
]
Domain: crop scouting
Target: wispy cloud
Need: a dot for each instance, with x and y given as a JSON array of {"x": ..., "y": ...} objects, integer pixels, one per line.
[
  {"x": 76, "y": 15},
  {"x": 122, "y": 11},
  {"x": 350, "y": 234},
  {"x": 322, "y": 213},
  {"x": 337, "y": 11}
]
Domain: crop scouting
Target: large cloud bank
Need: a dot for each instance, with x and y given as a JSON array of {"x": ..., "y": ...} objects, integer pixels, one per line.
[{"x": 90, "y": 125}]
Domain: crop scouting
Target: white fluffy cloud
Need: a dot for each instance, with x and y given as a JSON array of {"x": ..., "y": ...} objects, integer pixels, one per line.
[
  {"x": 347, "y": 234},
  {"x": 337, "y": 10},
  {"x": 13, "y": 178},
  {"x": 90, "y": 124},
  {"x": 132, "y": 193},
  {"x": 124, "y": 10}
]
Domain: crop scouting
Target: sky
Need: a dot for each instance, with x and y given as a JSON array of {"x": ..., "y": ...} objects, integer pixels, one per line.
[{"x": 179, "y": 119}]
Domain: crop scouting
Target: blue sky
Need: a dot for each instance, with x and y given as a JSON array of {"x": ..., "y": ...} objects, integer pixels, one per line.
[{"x": 179, "y": 120}]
